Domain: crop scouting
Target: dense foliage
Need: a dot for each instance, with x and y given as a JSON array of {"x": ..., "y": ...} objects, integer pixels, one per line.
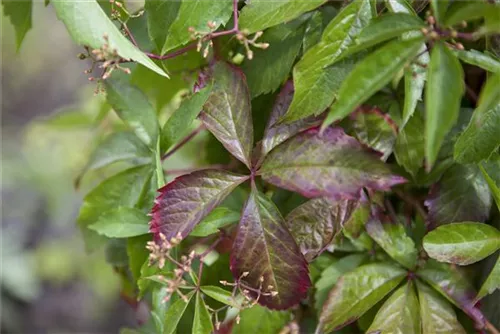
[{"x": 353, "y": 161}]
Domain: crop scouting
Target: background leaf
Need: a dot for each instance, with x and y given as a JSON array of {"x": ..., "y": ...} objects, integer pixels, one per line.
[
  {"x": 160, "y": 16},
  {"x": 259, "y": 319},
  {"x": 185, "y": 201},
  {"x": 370, "y": 75},
  {"x": 399, "y": 314},
  {"x": 19, "y": 13},
  {"x": 196, "y": 14},
  {"x": 461, "y": 195},
  {"x": 315, "y": 83},
  {"x": 356, "y": 292},
  {"x": 409, "y": 148},
  {"x": 492, "y": 283},
  {"x": 261, "y": 14},
  {"x": 133, "y": 107},
  {"x": 87, "y": 23},
  {"x": 445, "y": 86},
  {"x": 227, "y": 112},
  {"x": 174, "y": 313},
  {"x": 330, "y": 164},
  {"x": 479, "y": 59},
  {"x": 491, "y": 173},
  {"x": 393, "y": 239},
  {"x": 437, "y": 314},
  {"x": 215, "y": 220},
  {"x": 278, "y": 260},
  {"x": 122, "y": 222},
  {"x": 270, "y": 67},
  {"x": 462, "y": 243}
]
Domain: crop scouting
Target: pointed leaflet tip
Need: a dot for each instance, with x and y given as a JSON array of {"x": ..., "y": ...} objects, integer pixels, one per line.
[
  {"x": 264, "y": 248},
  {"x": 329, "y": 165},
  {"x": 185, "y": 201}
]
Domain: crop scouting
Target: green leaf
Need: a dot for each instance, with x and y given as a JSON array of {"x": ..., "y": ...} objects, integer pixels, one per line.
[
  {"x": 410, "y": 147},
  {"x": 479, "y": 139},
  {"x": 316, "y": 84},
  {"x": 178, "y": 125},
  {"x": 314, "y": 224},
  {"x": 123, "y": 189},
  {"x": 227, "y": 112},
  {"x": 491, "y": 173},
  {"x": 259, "y": 319},
  {"x": 399, "y": 314},
  {"x": 137, "y": 254},
  {"x": 88, "y": 24},
  {"x": 202, "y": 323},
  {"x": 175, "y": 311},
  {"x": 331, "y": 274},
  {"x": 452, "y": 284},
  {"x": 354, "y": 227},
  {"x": 386, "y": 27},
  {"x": 121, "y": 222},
  {"x": 184, "y": 202},
  {"x": 461, "y": 195},
  {"x": 415, "y": 75},
  {"x": 314, "y": 29},
  {"x": 492, "y": 282},
  {"x": 470, "y": 10},
  {"x": 196, "y": 14},
  {"x": 220, "y": 295},
  {"x": 439, "y": 8},
  {"x": 160, "y": 15},
  {"x": 19, "y": 13},
  {"x": 326, "y": 165},
  {"x": 356, "y": 292},
  {"x": 261, "y": 14},
  {"x": 436, "y": 313},
  {"x": 393, "y": 239},
  {"x": 279, "y": 262},
  {"x": 479, "y": 59},
  {"x": 218, "y": 218},
  {"x": 119, "y": 146},
  {"x": 374, "y": 129},
  {"x": 462, "y": 243},
  {"x": 270, "y": 67},
  {"x": 370, "y": 75},
  {"x": 133, "y": 107},
  {"x": 445, "y": 86}
]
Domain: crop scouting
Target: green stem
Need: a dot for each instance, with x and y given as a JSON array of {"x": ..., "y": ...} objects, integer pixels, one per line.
[{"x": 158, "y": 165}]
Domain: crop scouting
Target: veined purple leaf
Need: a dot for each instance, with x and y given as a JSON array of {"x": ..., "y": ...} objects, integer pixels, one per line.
[
  {"x": 266, "y": 256},
  {"x": 315, "y": 223},
  {"x": 461, "y": 195},
  {"x": 331, "y": 164},
  {"x": 227, "y": 112},
  {"x": 276, "y": 133},
  {"x": 450, "y": 282},
  {"x": 185, "y": 201}
]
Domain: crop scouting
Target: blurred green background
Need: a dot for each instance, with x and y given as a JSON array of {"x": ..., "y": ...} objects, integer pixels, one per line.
[{"x": 49, "y": 284}]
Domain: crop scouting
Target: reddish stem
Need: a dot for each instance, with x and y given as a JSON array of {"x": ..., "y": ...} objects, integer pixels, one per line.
[{"x": 183, "y": 142}]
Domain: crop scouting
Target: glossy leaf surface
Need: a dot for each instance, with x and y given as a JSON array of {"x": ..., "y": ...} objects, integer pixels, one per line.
[
  {"x": 227, "y": 112},
  {"x": 462, "y": 243},
  {"x": 265, "y": 248},
  {"x": 326, "y": 165},
  {"x": 399, "y": 314},
  {"x": 356, "y": 292},
  {"x": 88, "y": 23},
  {"x": 185, "y": 201},
  {"x": 261, "y": 14},
  {"x": 444, "y": 89}
]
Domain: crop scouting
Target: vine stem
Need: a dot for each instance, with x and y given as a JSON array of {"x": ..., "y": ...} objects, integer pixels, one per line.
[
  {"x": 208, "y": 37},
  {"x": 183, "y": 141},
  {"x": 489, "y": 326}
]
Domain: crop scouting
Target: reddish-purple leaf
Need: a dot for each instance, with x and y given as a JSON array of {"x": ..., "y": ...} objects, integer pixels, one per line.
[
  {"x": 315, "y": 223},
  {"x": 461, "y": 195},
  {"x": 185, "y": 201},
  {"x": 227, "y": 112},
  {"x": 266, "y": 256},
  {"x": 330, "y": 164},
  {"x": 275, "y": 132},
  {"x": 450, "y": 282}
]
